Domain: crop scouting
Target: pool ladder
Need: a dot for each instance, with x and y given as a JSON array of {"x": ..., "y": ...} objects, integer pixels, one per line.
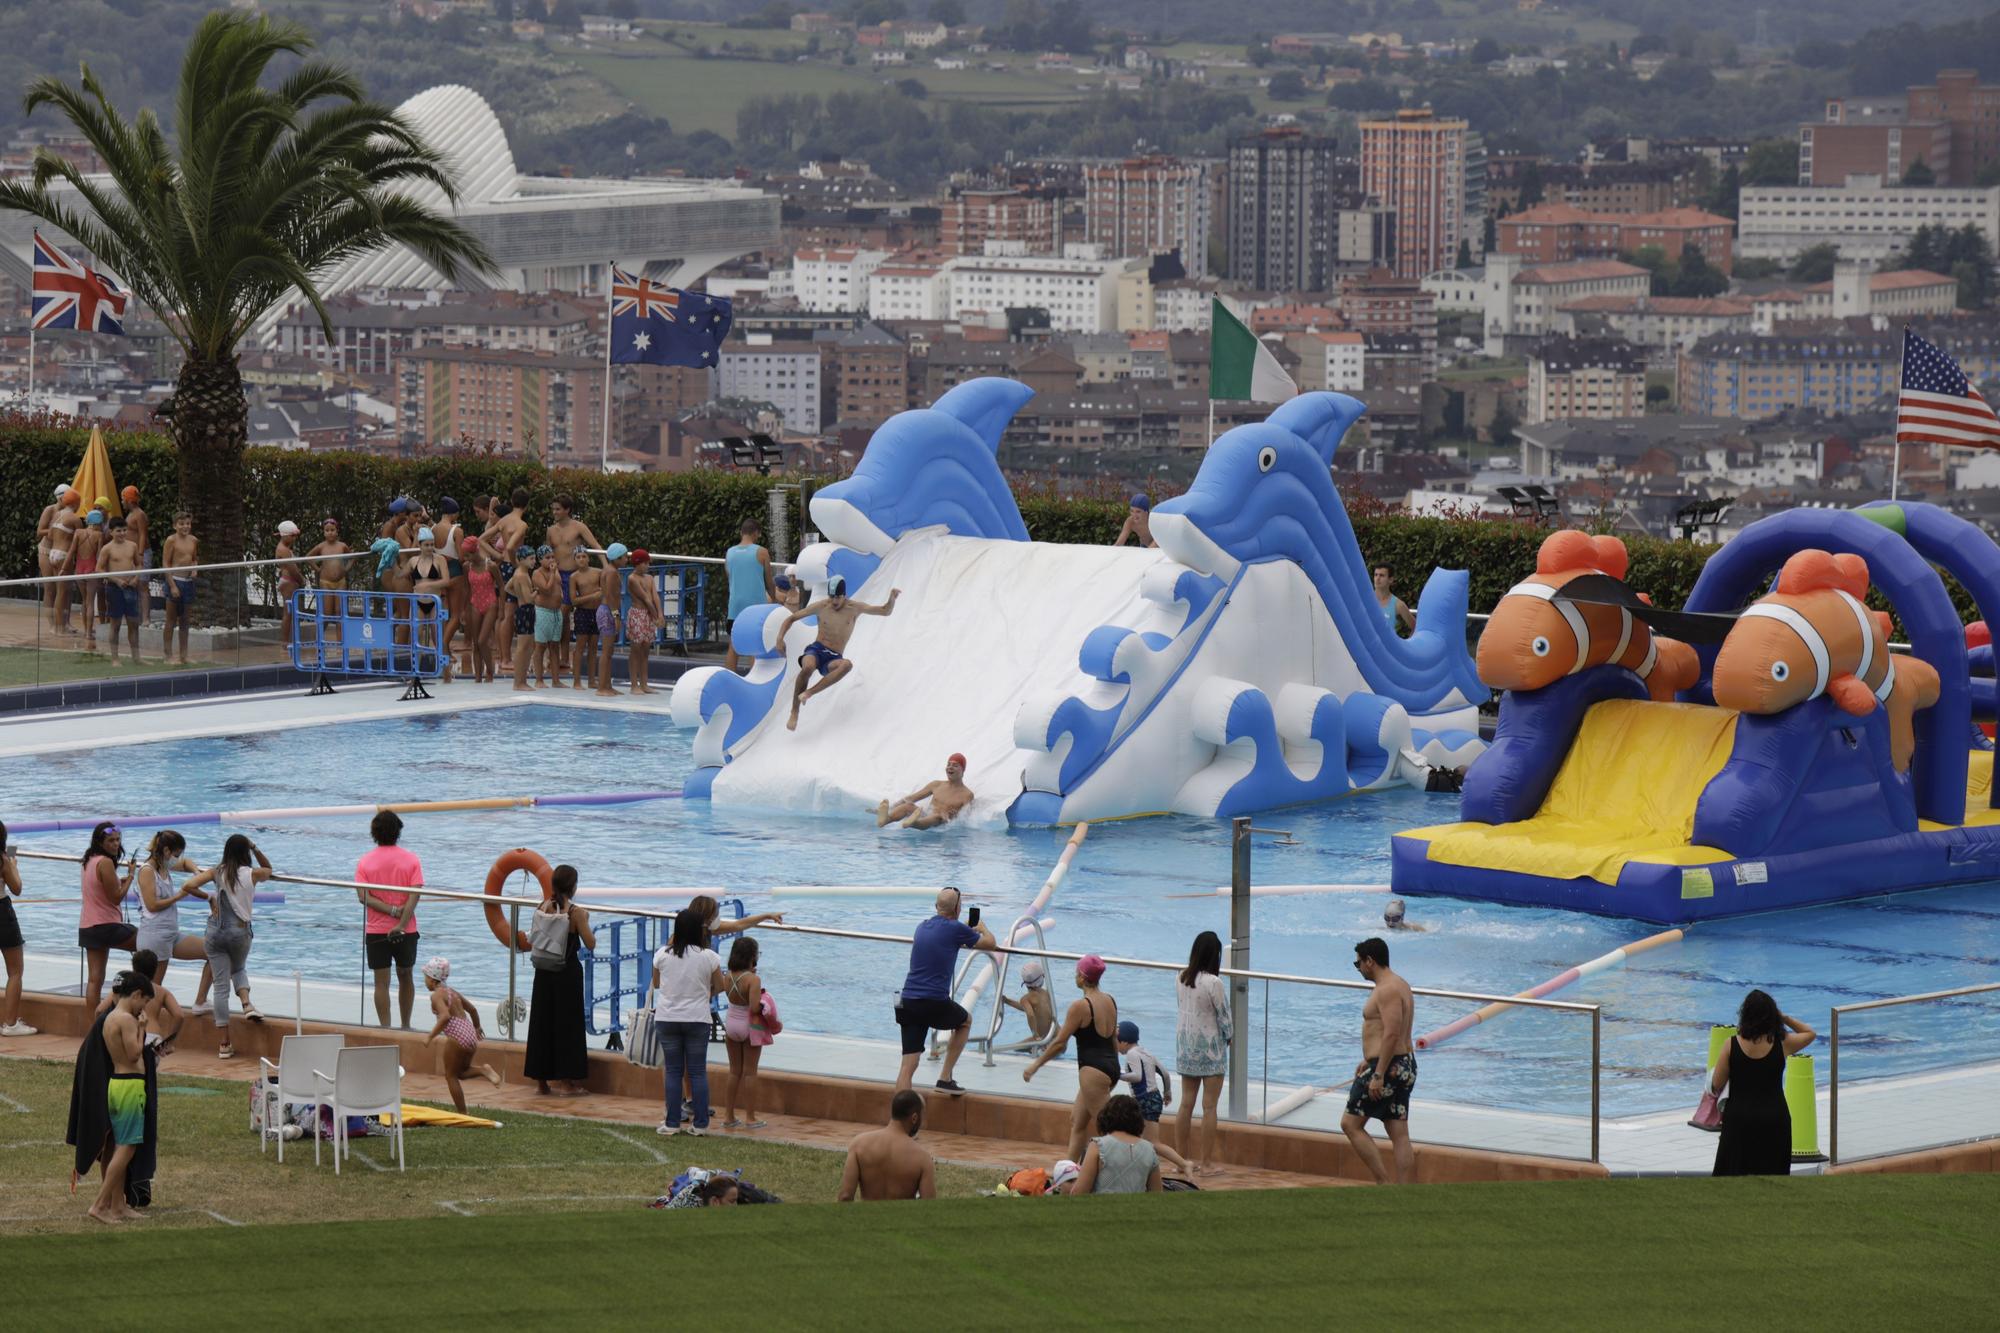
[{"x": 989, "y": 1045}]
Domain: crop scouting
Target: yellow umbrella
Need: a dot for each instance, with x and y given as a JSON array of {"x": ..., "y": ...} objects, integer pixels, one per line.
[{"x": 94, "y": 480}]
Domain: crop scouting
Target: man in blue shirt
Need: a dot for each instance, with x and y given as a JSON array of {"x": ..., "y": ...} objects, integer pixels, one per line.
[{"x": 926, "y": 1001}]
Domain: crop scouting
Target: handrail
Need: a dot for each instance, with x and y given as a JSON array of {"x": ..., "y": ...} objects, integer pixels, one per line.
[
  {"x": 1833, "y": 1045},
  {"x": 356, "y": 556}
]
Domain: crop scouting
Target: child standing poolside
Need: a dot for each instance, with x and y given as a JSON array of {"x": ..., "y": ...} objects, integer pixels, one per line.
[
  {"x": 521, "y": 601},
  {"x": 1150, "y": 1086},
  {"x": 481, "y": 607},
  {"x": 640, "y": 619}
]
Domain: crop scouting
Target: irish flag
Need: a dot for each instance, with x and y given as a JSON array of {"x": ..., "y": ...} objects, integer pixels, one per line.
[{"x": 1239, "y": 365}]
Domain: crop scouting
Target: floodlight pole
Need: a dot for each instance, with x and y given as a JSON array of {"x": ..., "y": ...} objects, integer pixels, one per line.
[{"x": 1239, "y": 962}]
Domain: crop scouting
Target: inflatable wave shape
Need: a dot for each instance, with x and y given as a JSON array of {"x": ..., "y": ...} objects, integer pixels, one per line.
[
  {"x": 1265, "y": 493},
  {"x": 725, "y": 709},
  {"x": 934, "y": 466},
  {"x": 1307, "y": 746}
]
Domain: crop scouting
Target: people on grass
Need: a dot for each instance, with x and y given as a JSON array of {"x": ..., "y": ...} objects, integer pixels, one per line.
[
  {"x": 837, "y": 613},
  {"x": 949, "y": 796},
  {"x": 1120, "y": 1160},
  {"x": 227, "y": 939},
  {"x": 10, "y": 943},
  {"x": 1756, "y": 1120},
  {"x": 557, "y": 1052},
  {"x": 924, "y": 1004},
  {"x": 1146, "y": 1082},
  {"x": 101, "y": 924},
  {"x": 1388, "y": 1069},
  {"x": 1201, "y": 1046},
  {"x": 456, "y": 1033},
  {"x": 746, "y": 1027},
  {"x": 751, "y": 583},
  {"x": 1092, "y": 1020},
  {"x": 888, "y": 1163},
  {"x": 686, "y": 974},
  {"x": 389, "y": 921},
  {"x": 108, "y": 1110}
]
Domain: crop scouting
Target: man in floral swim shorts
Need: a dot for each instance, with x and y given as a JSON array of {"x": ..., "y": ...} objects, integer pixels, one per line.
[{"x": 1388, "y": 1068}]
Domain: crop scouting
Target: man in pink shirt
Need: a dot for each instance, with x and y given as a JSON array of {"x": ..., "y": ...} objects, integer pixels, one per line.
[{"x": 391, "y": 918}]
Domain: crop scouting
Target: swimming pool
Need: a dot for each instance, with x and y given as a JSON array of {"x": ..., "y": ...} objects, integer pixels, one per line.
[{"x": 1117, "y": 900}]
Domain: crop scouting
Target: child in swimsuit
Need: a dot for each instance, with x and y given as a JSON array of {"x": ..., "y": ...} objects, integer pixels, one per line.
[
  {"x": 481, "y": 603},
  {"x": 458, "y": 1024},
  {"x": 639, "y": 619}
]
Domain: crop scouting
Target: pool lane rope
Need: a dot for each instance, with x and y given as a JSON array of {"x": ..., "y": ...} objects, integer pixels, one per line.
[
  {"x": 336, "y": 811},
  {"x": 1549, "y": 987}
]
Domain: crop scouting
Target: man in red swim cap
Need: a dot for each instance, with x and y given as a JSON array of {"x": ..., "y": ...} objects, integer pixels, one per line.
[{"x": 948, "y": 800}]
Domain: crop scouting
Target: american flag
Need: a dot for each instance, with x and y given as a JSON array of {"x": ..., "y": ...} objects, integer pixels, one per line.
[
  {"x": 1937, "y": 404},
  {"x": 638, "y": 296},
  {"x": 69, "y": 295}
]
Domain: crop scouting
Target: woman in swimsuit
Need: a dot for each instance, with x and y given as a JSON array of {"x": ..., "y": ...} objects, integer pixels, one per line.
[
  {"x": 449, "y": 534},
  {"x": 482, "y": 605},
  {"x": 458, "y": 1026},
  {"x": 62, "y": 535},
  {"x": 744, "y": 1032},
  {"x": 1093, "y": 1020},
  {"x": 42, "y": 526},
  {"x": 429, "y": 573}
]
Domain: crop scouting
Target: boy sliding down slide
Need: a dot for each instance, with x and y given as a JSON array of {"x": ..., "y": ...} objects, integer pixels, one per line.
[
  {"x": 948, "y": 800},
  {"x": 836, "y": 626}
]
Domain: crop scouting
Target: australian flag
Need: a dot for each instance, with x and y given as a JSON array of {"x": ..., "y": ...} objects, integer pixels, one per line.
[
  {"x": 656, "y": 325},
  {"x": 69, "y": 295}
]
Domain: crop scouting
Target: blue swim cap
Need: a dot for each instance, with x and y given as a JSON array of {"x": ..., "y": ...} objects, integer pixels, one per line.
[
  {"x": 425, "y": 535},
  {"x": 447, "y": 505},
  {"x": 1128, "y": 1031},
  {"x": 615, "y": 551},
  {"x": 385, "y": 550},
  {"x": 545, "y": 550},
  {"x": 783, "y": 582},
  {"x": 836, "y": 586},
  {"x": 398, "y": 505},
  {"x": 1142, "y": 501},
  {"x": 525, "y": 553},
  {"x": 95, "y": 518}
]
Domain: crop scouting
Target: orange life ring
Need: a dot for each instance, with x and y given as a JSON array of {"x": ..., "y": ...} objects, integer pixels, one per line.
[{"x": 496, "y": 880}]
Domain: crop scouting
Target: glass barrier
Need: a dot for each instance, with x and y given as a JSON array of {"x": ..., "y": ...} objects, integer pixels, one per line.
[{"x": 1915, "y": 1072}]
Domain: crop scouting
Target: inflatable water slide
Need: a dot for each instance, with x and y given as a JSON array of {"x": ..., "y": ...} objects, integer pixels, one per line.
[
  {"x": 1790, "y": 758},
  {"x": 1244, "y": 664}
]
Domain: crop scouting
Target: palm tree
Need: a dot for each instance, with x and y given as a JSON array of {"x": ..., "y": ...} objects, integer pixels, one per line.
[{"x": 260, "y": 190}]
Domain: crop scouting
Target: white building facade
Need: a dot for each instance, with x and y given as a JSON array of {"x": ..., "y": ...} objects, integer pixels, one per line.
[
  {"x": 1864, "y": 217},
  {"x": 834, "y": 281},
  {"x": 785, "y": 375}
]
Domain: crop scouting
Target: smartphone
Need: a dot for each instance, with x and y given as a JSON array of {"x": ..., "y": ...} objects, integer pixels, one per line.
[{"x": 972, "y": 918}]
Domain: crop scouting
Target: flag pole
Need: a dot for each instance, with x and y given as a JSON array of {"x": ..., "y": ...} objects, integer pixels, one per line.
[
  {"x": 1895, "y": 468},
  {"x": 31, "y": 318},
  {"x": 604, "y": 438}
]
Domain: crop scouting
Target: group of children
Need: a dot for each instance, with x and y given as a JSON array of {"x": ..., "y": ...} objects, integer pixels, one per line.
[{"x": 71, "y": 540}]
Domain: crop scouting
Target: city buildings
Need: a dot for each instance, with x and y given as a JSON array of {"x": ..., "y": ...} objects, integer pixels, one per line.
[
  {"x": 1558, "y": 233},
  {"x": 1144, "y": 206},
  {"x": 1415, "y": 164},
  {"x": 871, "y": 370},
  {"x": 1585, "y": 378},
  {"x": 1379, "y": 302},
  {"x": 1332, "y": 360},
  {"x": 1866, "y": 217},
  {"x": 1644, "y": 186},
  {"x": 1843, "y": 366},
  {"x": 1025, "y": 217},
  {"x": 786, "y": 373},
  {"x": 1972, "y": 110},
  {"x": 834, "y": 279},
  {"x": 369, "y": 336},
  {"x": 1283, "y": 184},
  {"x": 1519, "y": 304},
  {"x": 526, "y": 404},
  {"x": 908, "y": 288},
  {"x": 1080, "y": 295},
  {"x": 1951, "y": 126},
  {"x": 1658, "y": 322},
  {"x": 1898, "y": 294}
]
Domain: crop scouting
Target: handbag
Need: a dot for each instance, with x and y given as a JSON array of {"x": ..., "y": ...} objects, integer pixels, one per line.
[
  {"x": 642, "y": 1037},
  {"x": 1708, "y": 1112}
]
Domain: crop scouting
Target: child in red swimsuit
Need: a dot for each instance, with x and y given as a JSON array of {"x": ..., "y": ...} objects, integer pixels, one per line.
[
  {"x": 482, "y": 607},
  {"x": 458, "y": 1024}
]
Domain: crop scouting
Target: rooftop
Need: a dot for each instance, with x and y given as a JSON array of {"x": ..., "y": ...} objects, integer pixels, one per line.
[{"x": 1583, "y": 270}]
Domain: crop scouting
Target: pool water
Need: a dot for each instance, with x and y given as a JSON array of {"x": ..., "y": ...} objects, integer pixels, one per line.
[{"x": 1119, "y": 899}]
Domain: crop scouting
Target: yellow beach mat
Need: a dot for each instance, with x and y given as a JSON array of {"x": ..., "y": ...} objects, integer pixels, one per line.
[
  {"x": 1626, "y": 792},
  {"x": 414, "y": 1115}
]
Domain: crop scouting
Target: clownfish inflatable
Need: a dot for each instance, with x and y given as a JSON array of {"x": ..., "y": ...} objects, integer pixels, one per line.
[
  {"x": 1812, "y": 637},
  {"x": 1535, "y": 639}
]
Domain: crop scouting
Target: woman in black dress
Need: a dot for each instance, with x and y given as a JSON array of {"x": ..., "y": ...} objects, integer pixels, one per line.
[
  {"x": 556, "y": 1051},
  {"x": 1756, "y": 1123}
]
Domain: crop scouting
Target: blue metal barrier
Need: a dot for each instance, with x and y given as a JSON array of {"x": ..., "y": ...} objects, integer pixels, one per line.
[
  {"x": 683, "y": 593},
  {"x": 341, "y": 633},
  {"x": 624, "y": 960}
]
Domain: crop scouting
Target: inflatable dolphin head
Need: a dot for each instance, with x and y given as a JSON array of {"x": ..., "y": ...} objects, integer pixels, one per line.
[
  {"x": 929, "y": 467},
  {"x": 1263, "y": 490}
]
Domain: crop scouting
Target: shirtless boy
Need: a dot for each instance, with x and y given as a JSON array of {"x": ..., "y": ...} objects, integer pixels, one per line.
[
  {"x": 886, "y": 1163},
  {"x": 640, "y": 620},
  {"x": 139, "y": 528},
  {"x": 548, "y": 618},
  {"x": 290, "y": 580},
  {"x": 176, "y": 552},
  {"x": 504, "y": 533},
  {"x": 1388, "y": 1068},
  {"x": 520, "y": 612},
  {"x": 121, "y": 595},
  {"x": 612, "y": 590},
  {"x": 572, "y": 541},
  {"x": 586, "y": 594},
  {"x": 836, "y": 626},
  {"x": 125, "y": 1094},
  {"x": 1138, "y": 523},
  {"x": 948, "y": 800}
]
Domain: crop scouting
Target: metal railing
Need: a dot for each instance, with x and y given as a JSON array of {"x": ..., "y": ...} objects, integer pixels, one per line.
[{"x": 1833, "y": 1063}]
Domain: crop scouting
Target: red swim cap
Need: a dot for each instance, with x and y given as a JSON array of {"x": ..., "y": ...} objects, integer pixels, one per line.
[{"x": 958, "y": 759}]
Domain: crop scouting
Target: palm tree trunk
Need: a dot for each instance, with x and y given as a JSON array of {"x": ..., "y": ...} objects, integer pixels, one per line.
[{"x": 210, "y": 418}]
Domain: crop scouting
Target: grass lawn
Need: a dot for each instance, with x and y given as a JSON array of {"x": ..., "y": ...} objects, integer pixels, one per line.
[
  {"x": 46, "y": 666},
  {"x": 210, "y": 1164},
  {"x": 705, "y": 94},
  {"x": 1483, "y": 368}
]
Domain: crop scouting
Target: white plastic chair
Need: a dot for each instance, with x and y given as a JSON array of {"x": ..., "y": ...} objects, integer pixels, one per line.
[
  {"x": 366, "y": 1080},
  {"x": 291, "y": 1082}
]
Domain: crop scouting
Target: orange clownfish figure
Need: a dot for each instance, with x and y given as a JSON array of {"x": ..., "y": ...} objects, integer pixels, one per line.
[
  {"x": 1534, "y": 639},
  {"x": 1812, "y": 637}
]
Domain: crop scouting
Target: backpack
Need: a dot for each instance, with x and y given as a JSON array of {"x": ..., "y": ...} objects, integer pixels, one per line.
[
  {"x": 1029, "y": 1180},
  {"x": 548, "y": 940}
]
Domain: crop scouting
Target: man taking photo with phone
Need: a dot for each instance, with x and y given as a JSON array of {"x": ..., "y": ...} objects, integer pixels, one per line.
[{"x": 926, "y": 1003}]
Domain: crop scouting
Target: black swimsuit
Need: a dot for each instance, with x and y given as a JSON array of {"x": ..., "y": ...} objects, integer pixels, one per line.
[{"x": 1093, "y": 1051}]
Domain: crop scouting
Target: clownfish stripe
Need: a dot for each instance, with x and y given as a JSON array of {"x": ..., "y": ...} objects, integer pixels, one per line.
[
  {"x": 1645, "y": 668},
  {"x": 1861, "y": 618},
  {"x": 1624, "y": 635},
  {"x": 1888, "y": 685},
  {"x": 1799, "y": 625}
]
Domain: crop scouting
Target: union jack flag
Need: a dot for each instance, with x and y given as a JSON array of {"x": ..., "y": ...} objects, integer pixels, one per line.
[
  {"x": 69, "y": 295},
  {"x": 630, "y": 295}
]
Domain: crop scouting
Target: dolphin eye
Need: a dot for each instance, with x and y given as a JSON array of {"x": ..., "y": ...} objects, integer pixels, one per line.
[
  {"x": 1541, "y": 645},
  {"x": 1267, "y": 458},
  {"x": 1780, "y": 670}
]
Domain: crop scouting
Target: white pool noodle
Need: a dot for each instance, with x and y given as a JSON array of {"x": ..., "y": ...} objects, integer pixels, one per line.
[
  {"x": 1288, "y": 1103},
  {"x": 985, "y": 971},
  {"x": 1288, "y": 890}
]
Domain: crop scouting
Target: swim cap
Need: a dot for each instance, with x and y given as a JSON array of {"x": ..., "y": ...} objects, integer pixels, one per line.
[
  {"x": 640, "y": 555},
  {"x": 468, "y": 546},
  {"x": 1128, "y": 1031},
  {"x": 545, "y": 549},
  {"x": 525, "y": 553},
  {"x": 425, "y": 535},
  {"x": 615, "y": 551},
  {"x": 836, "y": 586},
  {"x": 104, "y": 502},
  {"x": 129, "y": 495},
  {"x": 1393, "y": 910},
  {"x": 71, "y": 497},
  {"x": 1033, "y": 975},
  {"x": 288, "y": 529},
  {"x": 1142, "y": 501},
  {"x": 1090, "y": 967},
  {"x": 437, "y": 969},
  {"x": 447, "y": 505},
  {"x": 329, "y": 522},
  {"x": 386, "y": 551},
  {"x": 958, "y": 759},
  {"x": 61, "y": 490},
  {"x": 398, "y": 505},
  {"x": 782, "y": 582},
  {"x": 95, "y": 518}
]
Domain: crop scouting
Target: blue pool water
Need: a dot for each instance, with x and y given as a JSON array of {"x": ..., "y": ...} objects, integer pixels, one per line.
[{"x": 1118, "y": 900}]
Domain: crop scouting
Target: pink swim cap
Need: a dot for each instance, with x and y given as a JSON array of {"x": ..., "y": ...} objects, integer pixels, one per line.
[{"x": 1090, "y": 967}]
